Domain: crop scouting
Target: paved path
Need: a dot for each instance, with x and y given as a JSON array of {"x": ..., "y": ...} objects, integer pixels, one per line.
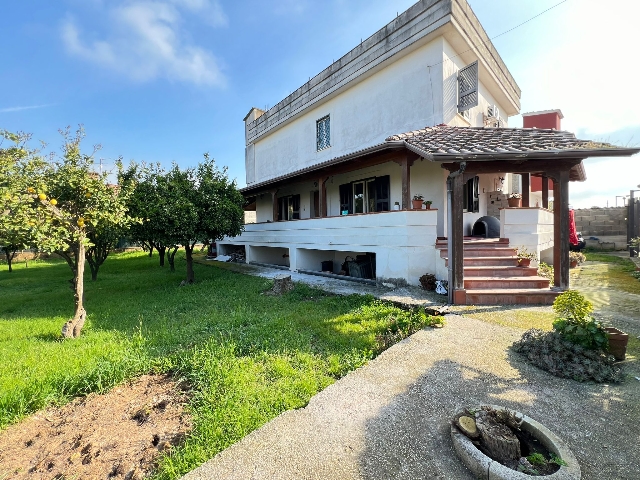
[{"x": 389, "y": 419}]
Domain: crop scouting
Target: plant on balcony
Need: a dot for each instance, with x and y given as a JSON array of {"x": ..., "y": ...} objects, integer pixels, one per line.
[
  {"x": 417, "y": 202},
  {"x": 525, "y": 257},
  {"x": 514, "y": 199},
  {"x": 428, "y": 203}
]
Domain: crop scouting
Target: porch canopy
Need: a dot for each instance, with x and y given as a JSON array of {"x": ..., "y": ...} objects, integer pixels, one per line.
[{"x": 468, "y": 151}]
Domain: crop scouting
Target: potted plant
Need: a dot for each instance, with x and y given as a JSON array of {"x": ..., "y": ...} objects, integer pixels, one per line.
[
  {"x": 514, "y": 200},
  {"x": 427, "y": 204},
  {"x": 575, "y": 259},
  {"x": 525, "y": 257},
  {"x": 417, "y": 202}
]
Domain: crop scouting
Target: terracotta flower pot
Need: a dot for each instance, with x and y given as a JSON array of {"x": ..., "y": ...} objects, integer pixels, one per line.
[
  {"x": 417, "y": 204},
  {"x": 514, "y": 202},
  {"x": 617, "y": 342},
  {"x": 573, "y": 263},
  {"x": 428, "y": 206},
  {"x": 524, "y": 262}
]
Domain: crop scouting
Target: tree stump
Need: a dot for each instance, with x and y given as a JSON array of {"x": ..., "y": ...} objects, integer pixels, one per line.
[
  {"x": 497, "y": 438},
  {"x": 282, "y": 284}
]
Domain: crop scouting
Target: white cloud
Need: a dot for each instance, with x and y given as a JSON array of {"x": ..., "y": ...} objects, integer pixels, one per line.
[
  {"x": 25, "y": 107},
  {"x": 146, "y": 41},
  {"x": 208, "y": 10}
]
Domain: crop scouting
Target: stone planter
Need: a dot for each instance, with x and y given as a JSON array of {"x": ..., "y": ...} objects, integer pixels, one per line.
[
  {"x": 514, "y": 202},
  {"x": 617, "y": 343},
  {"x": 484, "y": 467}
]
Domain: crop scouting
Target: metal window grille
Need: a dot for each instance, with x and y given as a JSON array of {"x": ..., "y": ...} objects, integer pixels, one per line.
[
  {"x": 323, "y": 133},
  {"x": 468, "y": 87}
]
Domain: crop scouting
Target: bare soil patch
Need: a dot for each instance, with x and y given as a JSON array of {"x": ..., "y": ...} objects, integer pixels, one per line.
[{"x": 112, "y": 436}]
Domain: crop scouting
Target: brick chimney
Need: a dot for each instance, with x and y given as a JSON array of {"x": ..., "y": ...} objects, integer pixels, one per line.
[{"x": 543, "y": 119}]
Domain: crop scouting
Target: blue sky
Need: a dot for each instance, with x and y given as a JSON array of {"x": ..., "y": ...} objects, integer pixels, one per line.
[{"x": 166, "y": 80}]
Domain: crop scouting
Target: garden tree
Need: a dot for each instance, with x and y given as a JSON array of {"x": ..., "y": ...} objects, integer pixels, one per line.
[
  {"x": 103, "y": 238},
  {"x": 145, "y": 204},
  {"x": 65, "y": 202},
  {"x": 201, "y": 204},
  {"x": 21, "y": 176}
]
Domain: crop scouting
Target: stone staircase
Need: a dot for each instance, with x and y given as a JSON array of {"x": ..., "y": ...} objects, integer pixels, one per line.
[{"x": 492, "y": 275}]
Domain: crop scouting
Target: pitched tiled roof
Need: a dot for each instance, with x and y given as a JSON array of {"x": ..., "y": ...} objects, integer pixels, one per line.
[{"x": 443, "y": 141}]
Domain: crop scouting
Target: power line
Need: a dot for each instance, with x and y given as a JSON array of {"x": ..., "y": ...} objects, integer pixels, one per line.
[{"x": 503, "y": 33}]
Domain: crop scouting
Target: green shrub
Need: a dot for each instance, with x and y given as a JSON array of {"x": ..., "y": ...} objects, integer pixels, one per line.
[{"x": 576, "y": 324}]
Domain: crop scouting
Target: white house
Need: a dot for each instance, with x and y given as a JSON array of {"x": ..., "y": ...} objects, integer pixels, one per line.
[{"x": 332, "y": 168}]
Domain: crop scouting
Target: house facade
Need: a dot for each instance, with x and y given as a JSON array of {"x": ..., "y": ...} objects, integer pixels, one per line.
[{"x": 331, "y": 170}]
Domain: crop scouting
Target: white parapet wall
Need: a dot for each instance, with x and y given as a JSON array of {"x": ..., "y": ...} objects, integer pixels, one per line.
[
  {"x": 403, "y": 242},
  {"x": 531, "y": 228}
]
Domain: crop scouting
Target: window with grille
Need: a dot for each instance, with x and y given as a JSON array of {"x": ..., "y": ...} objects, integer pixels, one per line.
[{"x": 323, "y": 133}]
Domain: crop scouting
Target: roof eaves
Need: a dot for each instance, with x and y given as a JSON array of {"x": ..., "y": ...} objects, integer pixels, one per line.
[{"x": 328, "y": 163}]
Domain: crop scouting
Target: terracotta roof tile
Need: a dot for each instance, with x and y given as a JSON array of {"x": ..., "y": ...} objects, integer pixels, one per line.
[{"x": 447, "y": 140}]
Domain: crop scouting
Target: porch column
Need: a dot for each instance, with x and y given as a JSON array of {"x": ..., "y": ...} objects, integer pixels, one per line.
[
  {"x": 406, "y": 183},
  {"x": 561, "y": 230},
  {"x": 406, "y": 162},
  {"x": 457, "y": 293},
  {"x": 322, "y": 200},
  {"x": 545, "y": 191},
  {"x": 526, "y": 189},
  {"x": 274, "y": 201}
]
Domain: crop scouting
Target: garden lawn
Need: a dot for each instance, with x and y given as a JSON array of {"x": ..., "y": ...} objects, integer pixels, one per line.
[{"x": 246, "y": 356}]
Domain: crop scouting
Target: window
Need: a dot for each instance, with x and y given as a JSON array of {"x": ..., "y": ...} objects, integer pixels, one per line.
[
  {"x": 364, "y": 196},
  {"x": 289, "y": 207},
  {"x": 323, "y": 133}
]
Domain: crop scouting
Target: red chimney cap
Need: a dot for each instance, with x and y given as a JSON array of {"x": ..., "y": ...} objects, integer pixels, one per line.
[{"x": 543, "y": 112}]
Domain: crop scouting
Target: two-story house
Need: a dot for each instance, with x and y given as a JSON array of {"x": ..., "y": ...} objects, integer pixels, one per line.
[{"x": 419, "y": 109}]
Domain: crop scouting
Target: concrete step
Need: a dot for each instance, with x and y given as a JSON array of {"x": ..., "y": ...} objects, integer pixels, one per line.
[
  {"x": 470, "y": 242},
  {"x": 505, "y": 282},
  {"x": 487, "y": 261},
  {"x": 499, "y": 271},
  {"x": 511, "y": 296},
  {"x": 484, "y": 252}
]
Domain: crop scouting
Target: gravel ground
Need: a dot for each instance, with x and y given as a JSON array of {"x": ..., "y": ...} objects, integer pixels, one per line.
[{"x": 390, "y": 418}]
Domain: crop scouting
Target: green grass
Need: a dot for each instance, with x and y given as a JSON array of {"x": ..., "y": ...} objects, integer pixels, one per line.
[
  {"x": 247, "y": 356},
  {"x": 507, "y": 316},
  {"x": 618, "y": 271}
]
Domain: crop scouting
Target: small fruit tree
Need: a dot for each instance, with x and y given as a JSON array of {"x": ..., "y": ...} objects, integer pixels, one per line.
[
  {"x": 203, "y": 205},
  {"x": 59, "y": 203},
  {"x": 147, "y": 202},
  {"x": 20, "y": 179}
]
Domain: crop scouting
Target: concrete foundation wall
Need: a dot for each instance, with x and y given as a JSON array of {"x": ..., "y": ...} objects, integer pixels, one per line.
[{"x": 403, "y": 242}]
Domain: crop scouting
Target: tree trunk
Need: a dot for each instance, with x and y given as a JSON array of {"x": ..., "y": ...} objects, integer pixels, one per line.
[
  {"x": 162, "y": 251},
  {"x": 150, "y": 248},
  {"x": 94, "y": 271},
  {"x": 189, "y": 255},
  {"x": 73, "y": 327},
  {"x": 171, "y": 254},
  {"x": 498, "y": 439},
  {"x": 9, "y": 258}
]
